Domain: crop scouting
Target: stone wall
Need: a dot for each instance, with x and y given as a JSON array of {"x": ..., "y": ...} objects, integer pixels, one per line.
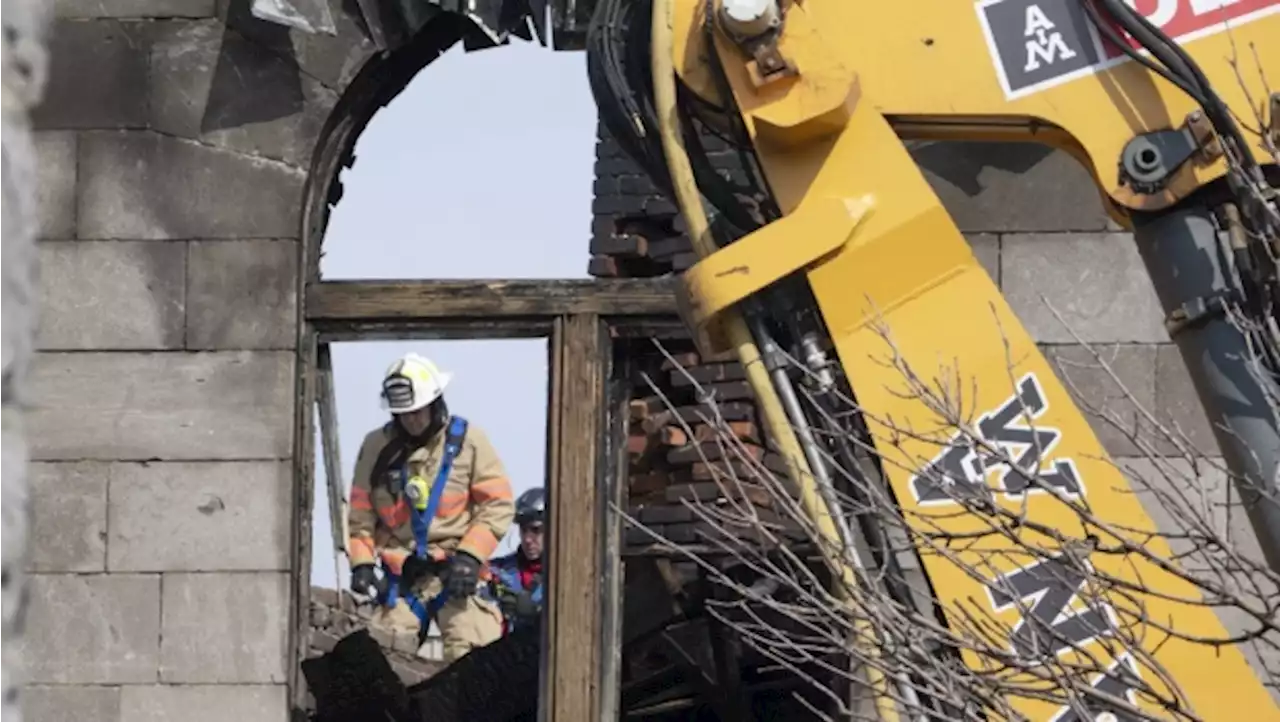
[{"x": 175, "y": 141}]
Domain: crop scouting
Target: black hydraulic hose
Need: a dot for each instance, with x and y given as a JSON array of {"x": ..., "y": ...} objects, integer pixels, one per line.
[
  {"x": 618, "y": 70},
  {"x": 1109, "y": 32},
  {"x": 718, "y": 190},
  {"x": 610, "y": 91},
  {"x": 1177, "y": 60},
  {"x": 1151, "y": 39},
  {"x": 750, "y": 161}
]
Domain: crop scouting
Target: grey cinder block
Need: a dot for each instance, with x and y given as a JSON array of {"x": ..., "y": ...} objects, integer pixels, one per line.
[
  {"x": 60, "y": 703},
  {"x": 225, "y": 628},
  {"x": 97, "y": 76},
  {"x": 1208, "y": 496},
  {"x": 1098, "y": 395},
  {"x": 1095, "y": 281},
  {"x": 56, "y": 183},
  {"x": 134, "y": 8},
  {"x": 1011, "y": 187},
  {"x": 93, "y": 629},
  {"x": 142, "y": 185},
  {"x": 243, "y": 295},
  {"x": 69, "y": 515},
  {"x": 111, "y": 295},
  {"x": 1176, "y": 494},
  {"x": 175, "y": 406},
  {"x": 204, "y": 703},
  {"x": 986, "y": 247},
  {"x": 1178, "y": 407},
  {"x": 205, "y": 512},
  {"x": 201, "y": 75}
]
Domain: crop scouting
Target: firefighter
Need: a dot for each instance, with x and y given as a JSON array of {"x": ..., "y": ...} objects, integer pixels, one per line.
[
  {"x": 518, "y": 578},
  {"x": 430, "y": 499}
]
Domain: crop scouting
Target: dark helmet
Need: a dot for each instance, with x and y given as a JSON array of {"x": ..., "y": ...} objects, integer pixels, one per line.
[{"x": 531, "y": 507}]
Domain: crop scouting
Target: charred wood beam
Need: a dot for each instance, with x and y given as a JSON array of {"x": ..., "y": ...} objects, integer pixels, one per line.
[
  {"x": 432, "y": 329},
  {"x": 726, "y": 651},
  {"x": 613, "y": 491},
  {"x": 650, "y": 605},
  {"x": 689, "y": 647},
  {"x": 579, "y": 350},
  {"x": 338, "y": 302},
  {"x": 658, "y": 688},
  {"x": 326, "y": 401}
]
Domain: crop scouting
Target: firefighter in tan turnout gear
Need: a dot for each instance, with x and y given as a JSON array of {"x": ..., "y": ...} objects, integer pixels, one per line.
[{"x": 431, "y": 500}]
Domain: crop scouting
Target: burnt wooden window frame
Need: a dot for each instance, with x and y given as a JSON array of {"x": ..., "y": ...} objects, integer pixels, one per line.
[{"x": 584, "y": 322}]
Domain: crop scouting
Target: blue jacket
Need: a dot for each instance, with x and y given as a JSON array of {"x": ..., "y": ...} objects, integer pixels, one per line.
[{"x": 506, "y": 578}]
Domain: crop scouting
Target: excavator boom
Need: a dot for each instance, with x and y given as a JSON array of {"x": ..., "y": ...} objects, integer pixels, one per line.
[{"x": 1167, "y": 105}]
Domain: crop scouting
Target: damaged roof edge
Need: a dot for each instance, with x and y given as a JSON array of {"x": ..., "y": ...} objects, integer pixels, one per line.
[{"x": 391, "y": 22}]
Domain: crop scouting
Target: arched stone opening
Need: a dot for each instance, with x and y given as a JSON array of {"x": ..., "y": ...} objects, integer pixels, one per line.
[{"x": 377, "y": 83}]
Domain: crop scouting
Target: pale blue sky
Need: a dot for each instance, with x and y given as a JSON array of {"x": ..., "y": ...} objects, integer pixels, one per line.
[{"x": 481, "y": 168}]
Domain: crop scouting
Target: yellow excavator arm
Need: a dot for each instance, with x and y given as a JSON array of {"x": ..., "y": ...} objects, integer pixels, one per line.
[{"x": 1167, "y": 106}]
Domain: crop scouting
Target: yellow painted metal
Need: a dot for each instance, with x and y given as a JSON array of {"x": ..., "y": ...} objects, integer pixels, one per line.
[
  {"x": 717, "y": 282},
  {"x": 930, "y": 67},
  {"x": 907, "y": 269},
  {"x": 736, "y": 334}
]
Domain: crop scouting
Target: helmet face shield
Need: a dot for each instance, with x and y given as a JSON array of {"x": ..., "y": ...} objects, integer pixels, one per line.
[
  {"x": 397, "y": 394},
  {"x": 412, "y": 383}
]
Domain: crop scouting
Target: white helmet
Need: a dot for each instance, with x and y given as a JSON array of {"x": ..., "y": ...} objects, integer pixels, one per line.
[{"x": 412, "y": 383}]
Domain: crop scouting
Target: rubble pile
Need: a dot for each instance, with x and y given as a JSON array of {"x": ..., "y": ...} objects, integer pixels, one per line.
[
  {"x": 356, "y": 682},
  {"x": 335, "y": 614}
]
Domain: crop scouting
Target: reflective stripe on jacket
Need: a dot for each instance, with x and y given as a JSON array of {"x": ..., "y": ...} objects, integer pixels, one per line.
[{"x": 475, "y": 510}]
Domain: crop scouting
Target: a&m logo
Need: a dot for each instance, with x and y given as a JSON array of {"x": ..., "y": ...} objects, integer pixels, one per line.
[{"x": 1038, "y": 44}]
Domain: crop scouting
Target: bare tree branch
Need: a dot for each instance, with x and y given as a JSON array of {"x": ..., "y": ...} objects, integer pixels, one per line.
[{"x": 758, "y": 545}]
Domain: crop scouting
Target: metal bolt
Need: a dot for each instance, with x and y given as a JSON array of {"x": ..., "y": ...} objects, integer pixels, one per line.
[
  {"x": 1147, "y": 160},
  {"x": 749, "y": 18},
  {"x": 746, "y": 11}
]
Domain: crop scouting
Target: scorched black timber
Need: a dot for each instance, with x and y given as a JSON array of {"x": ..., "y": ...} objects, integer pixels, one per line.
[
  {"x": 336, "y": 301},
  {"x": 495, "y": 683}
]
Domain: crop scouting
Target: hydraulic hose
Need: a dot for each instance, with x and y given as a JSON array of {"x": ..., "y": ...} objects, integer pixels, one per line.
[{"x": 689, "y": 200}]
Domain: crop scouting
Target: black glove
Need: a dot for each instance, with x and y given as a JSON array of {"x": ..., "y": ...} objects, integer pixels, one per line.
[
  {"x": 463, "y": 575},
  {"x": 525, "y": 606},
  {"x": 413, "y": 569},
  {"x": 507, "y": 604},
  {"x": 365, "y": 582}
]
